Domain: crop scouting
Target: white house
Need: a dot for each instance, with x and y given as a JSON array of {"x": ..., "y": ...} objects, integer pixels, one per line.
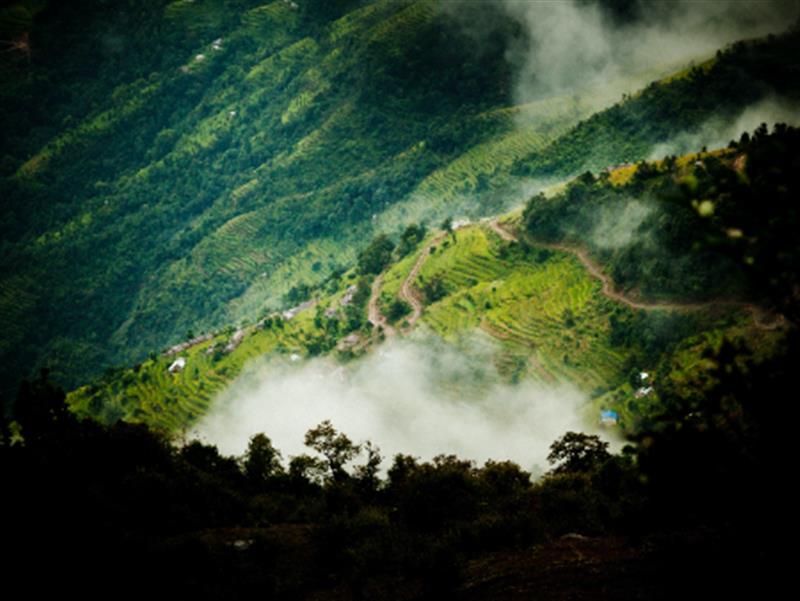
[{"x": 177, "y": 365}]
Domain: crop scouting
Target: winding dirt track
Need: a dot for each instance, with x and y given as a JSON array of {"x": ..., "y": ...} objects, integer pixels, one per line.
[
  {"x": 407, "y": 293},
  {"x": 762, "y": 319},
  {"x": 758, "y": 313},
  {"x": 374, "y": 314}
]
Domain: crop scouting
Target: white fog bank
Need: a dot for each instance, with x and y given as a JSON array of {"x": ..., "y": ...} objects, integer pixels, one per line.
[{"x": 422, "y": 398}]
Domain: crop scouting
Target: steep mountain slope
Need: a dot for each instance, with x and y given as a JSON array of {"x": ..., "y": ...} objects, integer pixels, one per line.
[
  {"x": 226, "y": 150},
  {"x": 702, "y": 101},
  {"x": 704, "y": 227},
  {"x": 187, "y": 163},
  {"x": 547, "y": 306}
]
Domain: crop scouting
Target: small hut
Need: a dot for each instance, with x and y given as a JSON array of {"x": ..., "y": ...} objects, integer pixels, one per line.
[
  {"x": 609, "y": 418},
  {"x": 177, "y": 365}
]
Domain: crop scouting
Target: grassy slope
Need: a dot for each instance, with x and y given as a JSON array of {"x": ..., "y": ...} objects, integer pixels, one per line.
[
  {"x": 553, "y": 324},
  {"x": 172, "y": 401},
  {"x": 149, "y": 393},
  {"x": 525, "y": 303}
]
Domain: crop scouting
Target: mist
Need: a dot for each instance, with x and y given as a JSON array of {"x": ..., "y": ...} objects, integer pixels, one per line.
[
  {"x": 607, "y": 48},
  {"x": 422, "y": 397},
  {"x": 473, "y": 206},
  {"x": 618, "y": 225},
  {"x": 718, "y": 132}
]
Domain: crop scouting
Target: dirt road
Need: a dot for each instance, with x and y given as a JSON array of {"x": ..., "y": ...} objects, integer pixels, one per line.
[
  {"x": 407, "y": 291},
  {"x": 596, "y": 272},
  {"x": 374, "y": 314},
  {"x": 762, "y": 319}
]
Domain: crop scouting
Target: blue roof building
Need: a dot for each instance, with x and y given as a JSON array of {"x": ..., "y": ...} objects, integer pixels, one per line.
[{"x": 609, "y": 418}]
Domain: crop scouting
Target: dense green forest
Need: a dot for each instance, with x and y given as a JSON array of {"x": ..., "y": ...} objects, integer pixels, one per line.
[
  {"x": 185, "y": 164},
  {"x": 710, "y": 226},
  {"x": 200, "y": 168}
]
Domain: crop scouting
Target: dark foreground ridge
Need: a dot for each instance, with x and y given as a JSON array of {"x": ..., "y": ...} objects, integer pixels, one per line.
[{"x": 90, "y": 507}]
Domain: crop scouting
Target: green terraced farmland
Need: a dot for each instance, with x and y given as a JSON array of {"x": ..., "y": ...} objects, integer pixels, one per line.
[
  {"x": 545, "y": 313},
  {"x": 548, "y": 309},
  {"x": 238, "y": 148},
  {"x": 150, "y": 393}
]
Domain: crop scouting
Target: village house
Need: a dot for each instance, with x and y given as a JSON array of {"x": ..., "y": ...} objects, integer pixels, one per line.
[
  {"x": 177, "y": 365},
  {"x": 609, "y": 418}
]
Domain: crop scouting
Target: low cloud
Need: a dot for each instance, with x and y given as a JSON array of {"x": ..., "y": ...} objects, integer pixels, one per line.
[
  {"x": 471, "y": 206},
  {"x": 618, "y": 225},
  {"x": 422, "y": 397},
  {"x": 573, "y": 45},
  {"x": 718, "y": 132},
  {"x": 599, "y": 49}
]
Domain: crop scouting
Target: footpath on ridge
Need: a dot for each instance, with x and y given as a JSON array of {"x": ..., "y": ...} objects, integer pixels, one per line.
[
  {"x": 762, "y": 319},
  {"x": 407, "y": 293},
  {"x": 759, "y": 314}
]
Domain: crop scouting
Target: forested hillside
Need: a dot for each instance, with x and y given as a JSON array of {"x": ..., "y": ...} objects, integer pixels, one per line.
[
  {"x": 185, "y": 164},
  {"x": 649, "y": 268},
  {"x": 328, "y": 524},
  {"x": 218, "y": 153},
  {"x": 696, "y": 228},
  {"x": 709, "y": 96}
]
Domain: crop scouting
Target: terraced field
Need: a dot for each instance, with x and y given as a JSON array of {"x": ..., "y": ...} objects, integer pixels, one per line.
[
  {"x": 486, "y": 167},
  {"x": 396, "y": 274},
  {"x": 152, "y": 394},
  {"x": 548, "y": 309},
  {"x": 268, "y": 148},
  {"x": 545, "y": 313},
  {"x": 227, "y": 194},
  {"x": 552, "y": 322}
]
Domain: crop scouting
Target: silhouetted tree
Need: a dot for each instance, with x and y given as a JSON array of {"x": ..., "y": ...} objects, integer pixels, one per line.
[
  {"x": 335, "y": 446},
  {"x": 577, "y": 452},
  {"x": 262, "y": 462},
  {"x": 367, "y": 473},
  {"x": 41, "y": 409},
  {"x": 207, "y": 458}
]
